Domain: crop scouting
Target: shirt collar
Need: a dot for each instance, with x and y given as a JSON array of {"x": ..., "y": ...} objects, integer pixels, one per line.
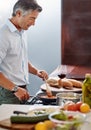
[{"x": 12, "y": 27}]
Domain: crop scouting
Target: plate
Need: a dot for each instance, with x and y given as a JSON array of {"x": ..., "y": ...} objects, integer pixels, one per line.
[{"x": 56, "y": 90}]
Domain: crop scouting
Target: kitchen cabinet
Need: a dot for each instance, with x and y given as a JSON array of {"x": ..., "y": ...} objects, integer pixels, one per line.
[{"x": 76, "y": 32}]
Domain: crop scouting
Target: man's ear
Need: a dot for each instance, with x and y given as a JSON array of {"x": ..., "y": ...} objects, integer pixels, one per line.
[{"x": 18, "y": 13}]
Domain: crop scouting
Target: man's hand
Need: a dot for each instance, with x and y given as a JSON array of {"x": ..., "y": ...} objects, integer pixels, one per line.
[
  {"x": 42, "y": 74},
  {"x": 22, "y": 94}
]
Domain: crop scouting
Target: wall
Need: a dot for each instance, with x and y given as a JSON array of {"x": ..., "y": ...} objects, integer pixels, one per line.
[{"x": 43, "y": 38}]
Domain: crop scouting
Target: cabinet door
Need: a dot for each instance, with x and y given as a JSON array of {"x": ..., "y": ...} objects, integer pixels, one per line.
[{"x": 76, "y": 32}]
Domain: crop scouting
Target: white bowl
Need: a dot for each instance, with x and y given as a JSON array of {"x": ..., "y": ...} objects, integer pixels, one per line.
[{"x": 75, "y": 121}]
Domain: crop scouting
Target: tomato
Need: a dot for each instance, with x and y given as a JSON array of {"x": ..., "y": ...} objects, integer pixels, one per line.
[
  {"x": 67, "y": 104},
  {"x": 72, "y": 107},
  {"x": 78, "y": 104}
]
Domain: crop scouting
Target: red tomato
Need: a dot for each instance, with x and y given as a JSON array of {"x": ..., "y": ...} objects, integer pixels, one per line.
[
  {"x": 78, "y": 104},
  {"x": 72, "y": 107},
  {"x": 67, "y": 104}
]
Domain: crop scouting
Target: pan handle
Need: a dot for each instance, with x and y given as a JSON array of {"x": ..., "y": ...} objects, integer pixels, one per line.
[{"x": 32, "y": 100}]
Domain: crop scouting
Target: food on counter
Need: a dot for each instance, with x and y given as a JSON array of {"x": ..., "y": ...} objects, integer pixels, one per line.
[
  {"x": 76, "y": 83},
  {"x": 62, "y": 116},
  {"x": 46, "y": 125},
  {"x": 79, "y": 106},
  {"x": 72, "y": 107},
  {"x": 86, "y": 89},
  {"x": 85, "y": 108},
  {"x": 65, "y": 107},
  {"x": 49, "y": 124},
  {"x": 65, "y": 82},
  {"x": 67, "y": 120},
  {"x": 33, "y": 116},
  {"x": 47, "y": 97},
  {"x": 40, "y": 126},
  {"x": 42, "y": 111},
  {"x": 53, "y": 82},
  {"x": 19, "y": 119}
]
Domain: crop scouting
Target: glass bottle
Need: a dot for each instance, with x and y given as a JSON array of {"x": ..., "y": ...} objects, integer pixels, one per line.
[{"x": 86, "y": 90}]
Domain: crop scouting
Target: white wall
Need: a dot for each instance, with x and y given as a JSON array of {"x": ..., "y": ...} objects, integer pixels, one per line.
[{"x": 44, "y": 37}]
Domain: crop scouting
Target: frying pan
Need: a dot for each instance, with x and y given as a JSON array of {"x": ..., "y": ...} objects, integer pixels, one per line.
[{"x": 45, "y": 99}]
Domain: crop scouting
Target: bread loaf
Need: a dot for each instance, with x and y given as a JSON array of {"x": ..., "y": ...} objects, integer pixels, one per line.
[
  {"x": 53, "y": 82},
  {"x": 75, "y": 83},
  {"x": 65, "y": 83}
]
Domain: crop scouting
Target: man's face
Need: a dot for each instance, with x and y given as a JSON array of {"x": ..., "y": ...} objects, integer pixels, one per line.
[{"x": 25, "y": 21}]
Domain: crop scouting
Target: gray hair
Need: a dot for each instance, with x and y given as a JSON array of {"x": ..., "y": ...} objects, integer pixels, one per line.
[{"x": 25, "y": 6}]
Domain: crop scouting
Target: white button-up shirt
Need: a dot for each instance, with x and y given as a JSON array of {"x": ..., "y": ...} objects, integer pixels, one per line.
[{"x": 13, "y": 54}]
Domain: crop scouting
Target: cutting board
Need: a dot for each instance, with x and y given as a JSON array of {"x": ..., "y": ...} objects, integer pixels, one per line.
[{"x": 7, "y": 124}]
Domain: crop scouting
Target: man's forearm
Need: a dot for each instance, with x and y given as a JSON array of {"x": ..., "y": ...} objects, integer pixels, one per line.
[
  {"x": 32, "y": 69},
  {"x": 5, "y": 82}
]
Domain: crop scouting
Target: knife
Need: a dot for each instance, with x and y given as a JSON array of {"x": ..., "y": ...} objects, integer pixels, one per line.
[{"x": 20, "y": 112}]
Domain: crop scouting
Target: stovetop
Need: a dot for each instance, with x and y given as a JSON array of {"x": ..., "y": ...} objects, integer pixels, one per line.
[{"x": 35, "y": 100}]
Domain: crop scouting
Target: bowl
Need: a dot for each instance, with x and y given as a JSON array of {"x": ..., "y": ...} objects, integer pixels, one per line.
[
  {"x": 67, "y": 96},
  {"x": 67, "y": 120}
]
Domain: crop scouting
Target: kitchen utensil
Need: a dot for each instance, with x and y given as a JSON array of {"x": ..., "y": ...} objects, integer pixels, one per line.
[
  {"x": 20, "y": 112},
  {"x": 67, "y": 120},
  {"x": 67, "y": 96},
  {"x": 48, "y": 91},
  {"x": 7, "y": 125}
]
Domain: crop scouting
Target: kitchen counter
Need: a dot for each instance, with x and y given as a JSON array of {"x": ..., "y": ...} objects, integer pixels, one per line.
[{"x": 6, "y": 111}]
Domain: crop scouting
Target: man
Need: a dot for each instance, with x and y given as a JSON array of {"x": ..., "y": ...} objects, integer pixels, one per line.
[{"x": 14, "y": 64}]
